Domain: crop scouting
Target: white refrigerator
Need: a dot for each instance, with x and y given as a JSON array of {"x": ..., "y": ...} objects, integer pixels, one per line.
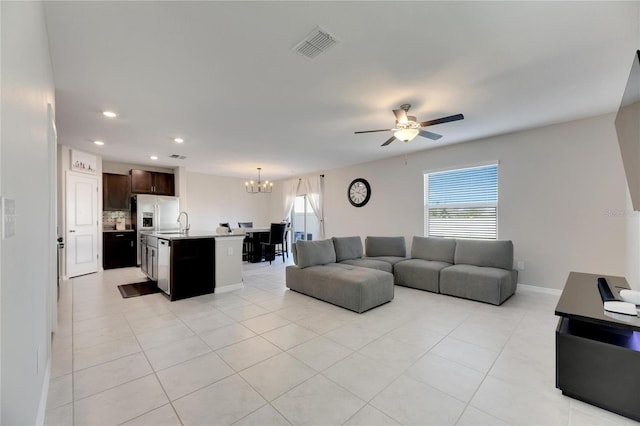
[{"x": 154, "y": 213}]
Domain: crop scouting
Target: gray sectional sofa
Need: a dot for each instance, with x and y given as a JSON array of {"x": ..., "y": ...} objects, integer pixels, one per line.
[{"x": 336, "y": 270}]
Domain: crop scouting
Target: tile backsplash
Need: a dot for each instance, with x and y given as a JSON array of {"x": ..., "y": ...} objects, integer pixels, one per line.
[{"x": 109, "y": 218}]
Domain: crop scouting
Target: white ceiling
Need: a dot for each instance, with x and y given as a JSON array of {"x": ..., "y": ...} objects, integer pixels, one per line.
[{"x": 222, "y": 75}]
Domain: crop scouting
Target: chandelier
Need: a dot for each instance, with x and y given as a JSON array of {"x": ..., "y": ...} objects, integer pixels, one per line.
[{"x": 258, "y": 187}]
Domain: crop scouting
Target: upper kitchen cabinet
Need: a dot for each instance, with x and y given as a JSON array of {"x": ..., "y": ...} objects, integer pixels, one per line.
[
  {"x": 116, "y": 192},
  {"x": 145, "y": 182}
]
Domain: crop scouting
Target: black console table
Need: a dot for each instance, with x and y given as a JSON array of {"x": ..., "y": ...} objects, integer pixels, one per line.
[{"x": 597, "y": 352}]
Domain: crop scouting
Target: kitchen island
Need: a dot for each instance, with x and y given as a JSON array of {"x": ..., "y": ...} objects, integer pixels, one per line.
[{"x": 194, "y": 263}]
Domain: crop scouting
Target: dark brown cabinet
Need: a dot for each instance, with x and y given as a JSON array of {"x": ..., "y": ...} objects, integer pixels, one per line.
[
  {"x": 192, "y": 271},
  {"x": 116, "y": 193},
  {"x": 146, "y": 182},
  {"x": 119, "y": 249}
]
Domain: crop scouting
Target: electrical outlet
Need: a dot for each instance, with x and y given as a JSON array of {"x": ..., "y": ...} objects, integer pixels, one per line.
[
  {"x": 229, "y": 251},
  {"x": 521, "y": 265}
]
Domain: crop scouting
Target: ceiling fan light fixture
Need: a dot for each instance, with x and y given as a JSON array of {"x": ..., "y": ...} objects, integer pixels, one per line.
[{"x": 405, "y": 135}]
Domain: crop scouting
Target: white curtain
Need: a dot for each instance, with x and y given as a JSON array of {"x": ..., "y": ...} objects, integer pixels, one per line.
[
  {"x": 314, "y": 188},
  {"x": 289, "y": 191}
]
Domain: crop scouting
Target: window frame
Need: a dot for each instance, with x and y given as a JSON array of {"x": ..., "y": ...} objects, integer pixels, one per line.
[{"x": 427, "y": 206}]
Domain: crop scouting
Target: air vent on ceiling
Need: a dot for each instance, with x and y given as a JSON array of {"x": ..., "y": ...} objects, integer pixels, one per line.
[
  {"x": 179, "y": 157},
  {"x": 315, "y": 43}
]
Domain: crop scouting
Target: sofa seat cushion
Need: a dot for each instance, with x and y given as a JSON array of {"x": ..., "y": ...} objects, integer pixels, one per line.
[
  {"x": 419, "y": 273},
  {"x": 351, "y": 287},
  {"x": 389, "y": 259},
  {"x": 370, "y": 263},
  {"x": 485, "y": 284}
]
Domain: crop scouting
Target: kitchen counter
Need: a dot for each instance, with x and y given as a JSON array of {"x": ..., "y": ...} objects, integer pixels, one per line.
[
  {"x": 168, "y": 235},
  {"x": 196, "y": 263},
  {"x": 118, "y": 230}
]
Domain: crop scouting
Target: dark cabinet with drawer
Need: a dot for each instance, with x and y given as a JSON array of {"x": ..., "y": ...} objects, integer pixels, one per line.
[
  {"x": 146, "y": 182},
  {"x": 119, "y": 249},
  {"x": 116, "y": 193}
]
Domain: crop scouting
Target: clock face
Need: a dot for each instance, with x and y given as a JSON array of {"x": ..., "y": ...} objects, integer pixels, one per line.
[{"x": 359, "y": 192}]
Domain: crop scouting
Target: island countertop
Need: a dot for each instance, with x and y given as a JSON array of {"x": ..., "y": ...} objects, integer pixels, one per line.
[{"x": 169, "y": 235}]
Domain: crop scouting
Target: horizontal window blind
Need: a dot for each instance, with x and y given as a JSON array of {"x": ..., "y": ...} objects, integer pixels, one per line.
[{"x": 462, "y": 203}]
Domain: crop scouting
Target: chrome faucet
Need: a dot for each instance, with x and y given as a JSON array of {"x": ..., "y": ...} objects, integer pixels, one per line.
[{"x": 186, "y": 229}]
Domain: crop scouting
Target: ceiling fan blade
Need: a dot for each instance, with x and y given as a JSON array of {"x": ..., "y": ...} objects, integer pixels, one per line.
[
  {"x": 401, "y": 116},
  {"x": 373, "y": 131},
  {"x": 391, "y": 139},
  {"x": 429, "y": 135},
  {"x": 442, "y": 120}
]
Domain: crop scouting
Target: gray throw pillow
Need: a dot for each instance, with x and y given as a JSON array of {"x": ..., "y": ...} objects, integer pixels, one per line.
[
  {"x": 347, "y": 248},
  {"x": 318, "y": 252}
]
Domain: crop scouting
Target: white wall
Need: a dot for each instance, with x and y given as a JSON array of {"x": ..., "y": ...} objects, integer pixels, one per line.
[
  {"x": 215, "y": 199},
  {"x": 560, "y": 188},
  {"x": 27, "y": 87}
]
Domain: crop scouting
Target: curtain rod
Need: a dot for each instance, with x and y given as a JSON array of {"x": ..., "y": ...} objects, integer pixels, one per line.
[{"x": 299, "y": 179}]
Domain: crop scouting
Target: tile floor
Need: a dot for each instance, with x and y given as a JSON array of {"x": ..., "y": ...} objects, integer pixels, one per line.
[{"x": 265, "y": 355}]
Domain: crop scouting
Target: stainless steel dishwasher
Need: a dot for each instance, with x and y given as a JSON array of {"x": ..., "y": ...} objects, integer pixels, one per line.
[{"x": 164, "y": 265}]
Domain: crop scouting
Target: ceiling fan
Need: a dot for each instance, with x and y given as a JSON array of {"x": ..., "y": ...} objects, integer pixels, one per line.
[{"x": 408, "y": 128}]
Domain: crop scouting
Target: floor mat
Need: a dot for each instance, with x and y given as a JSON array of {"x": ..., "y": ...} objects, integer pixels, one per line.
[{"x": 138, "y": 289}]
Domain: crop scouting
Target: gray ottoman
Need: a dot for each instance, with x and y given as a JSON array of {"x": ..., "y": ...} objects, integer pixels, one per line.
[{"x": 351, "y": 287}]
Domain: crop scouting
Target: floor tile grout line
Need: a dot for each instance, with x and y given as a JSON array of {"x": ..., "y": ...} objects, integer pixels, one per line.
[
  {"x": 468, "y": 403},
  {"x": 387, "y": 333},
  {"x": 153, "y": 371}
]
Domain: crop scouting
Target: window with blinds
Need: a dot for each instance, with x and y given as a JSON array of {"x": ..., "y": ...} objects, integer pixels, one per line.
[{"x": 462, "y": 203}]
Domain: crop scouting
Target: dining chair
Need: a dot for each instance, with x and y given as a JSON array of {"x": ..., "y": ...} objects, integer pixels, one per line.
[
  {"x": 287, "y": 236},
  {"x": 246, "y": 244},
  {"x": 276, "y": 238}
]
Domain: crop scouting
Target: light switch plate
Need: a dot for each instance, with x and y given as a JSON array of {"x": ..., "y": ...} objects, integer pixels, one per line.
[{"x": 8, "y": 218}]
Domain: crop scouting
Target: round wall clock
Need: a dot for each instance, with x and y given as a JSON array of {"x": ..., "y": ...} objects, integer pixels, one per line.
[{"x": 359, "y": 192}]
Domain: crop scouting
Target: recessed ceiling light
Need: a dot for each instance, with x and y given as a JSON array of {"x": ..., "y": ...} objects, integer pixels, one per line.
[
  {"x": 98, "y": 143},
  {"x": 154, "y": 157},
  {"x": 109, "y": 114},
  {"x": 178, "y": 140}
]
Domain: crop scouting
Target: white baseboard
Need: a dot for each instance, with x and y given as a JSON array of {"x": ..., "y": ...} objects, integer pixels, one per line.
[
  {"x": 228, "y": 288},
  {"x": 538, "y": 289},
  {"x": 44, "y": 395}
]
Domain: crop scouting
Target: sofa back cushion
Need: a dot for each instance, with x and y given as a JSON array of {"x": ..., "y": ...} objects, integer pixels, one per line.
[
  {"x": 437, "y": 249},
  {"x": 347, "y": 248},
  {"x": 385, "y": 246},
  {"x": 496, "y": 254},
  {"x": 311, "y": 253}
]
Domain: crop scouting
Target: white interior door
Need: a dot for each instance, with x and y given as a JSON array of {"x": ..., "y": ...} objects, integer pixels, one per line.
[{"x": 82, "y": 224}]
